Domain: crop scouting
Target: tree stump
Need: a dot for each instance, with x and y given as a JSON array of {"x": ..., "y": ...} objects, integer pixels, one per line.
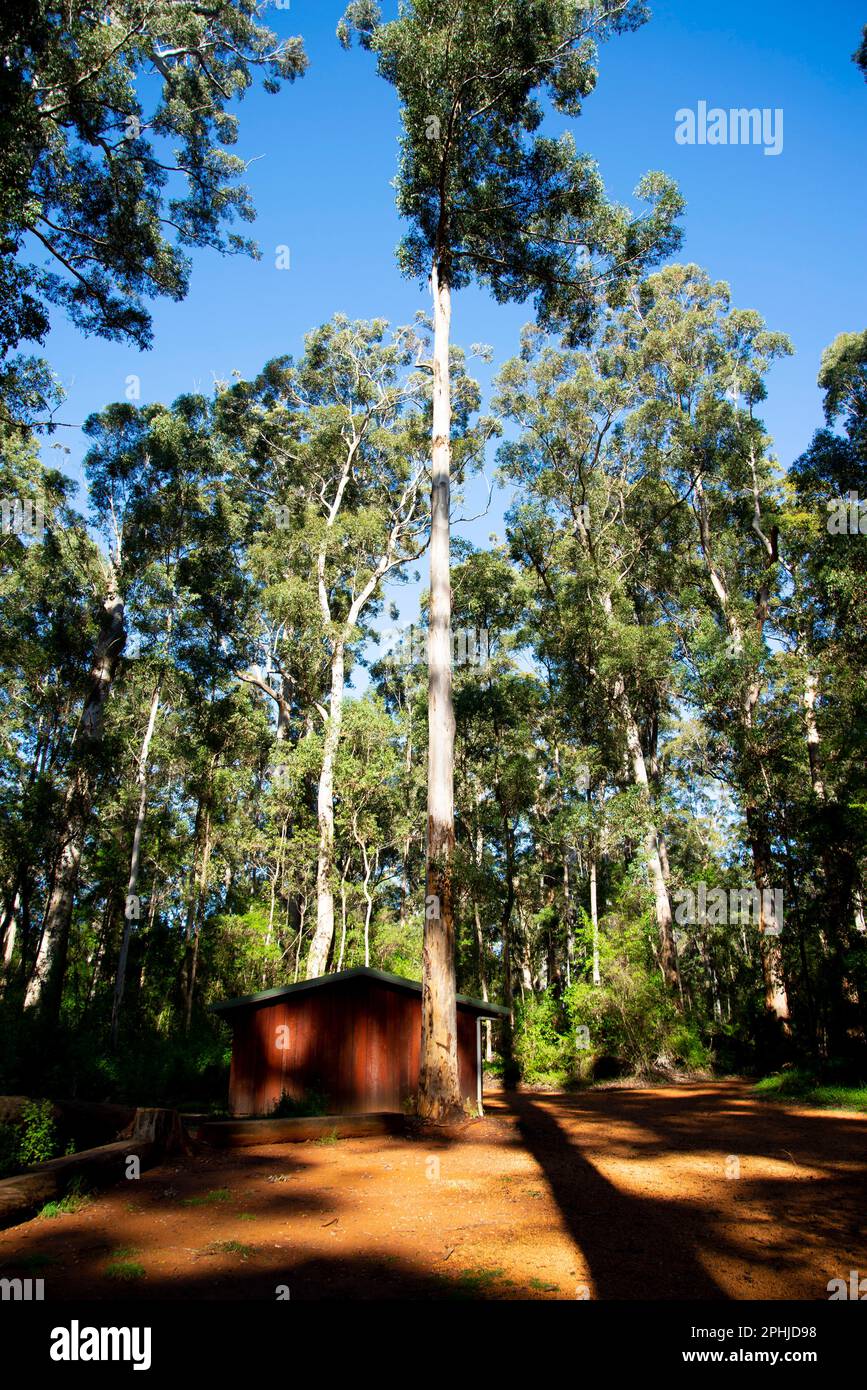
[{"x": 160, "y": 1127}]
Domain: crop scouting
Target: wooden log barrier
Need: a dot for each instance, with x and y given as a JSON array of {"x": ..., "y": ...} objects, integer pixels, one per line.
[{"x": 22, "y": 1196}]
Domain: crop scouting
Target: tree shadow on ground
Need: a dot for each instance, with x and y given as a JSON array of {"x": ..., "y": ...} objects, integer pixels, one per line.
[
  {"x": 634, "y": 1245},
  {"x": 641, "y": 1245}
]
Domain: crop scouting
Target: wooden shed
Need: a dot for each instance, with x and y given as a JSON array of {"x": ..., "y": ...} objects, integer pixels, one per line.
[{"x": 352, "y": 1039}]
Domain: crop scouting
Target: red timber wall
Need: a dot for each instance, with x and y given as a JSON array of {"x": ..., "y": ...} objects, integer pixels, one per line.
[{"x": 356, "y": 1043}]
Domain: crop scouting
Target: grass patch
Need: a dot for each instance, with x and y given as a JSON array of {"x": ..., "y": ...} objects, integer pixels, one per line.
[
  {"x": 807, "y": 1087},
  {"x": 330, "y": 1138},
  {"x": 126, "y": 1271},
  {"x": 247, "y": 1216},
  {"x": 475, "y": 1283},
  {"x": 66, "y": 1206},
  {"x": 210, "y": 1199},
  {"x": 542, "y": 1287}
]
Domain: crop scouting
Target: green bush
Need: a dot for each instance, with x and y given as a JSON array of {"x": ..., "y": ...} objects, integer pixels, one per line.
[
  {"x": 313, "y": 1102},
  {"x": 685, "y": 1046},
  {"x": 628, "y": 1017},
  {"x": 31, "y": 1139},
  {"x": 39, "y": 1133},
  {"x": 542, "y": 1047}
]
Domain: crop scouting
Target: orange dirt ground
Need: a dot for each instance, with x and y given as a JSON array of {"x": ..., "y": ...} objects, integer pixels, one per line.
[{"x": 607, "y": 1194}]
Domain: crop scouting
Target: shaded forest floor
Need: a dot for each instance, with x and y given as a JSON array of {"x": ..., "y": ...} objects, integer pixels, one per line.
[{"x": 689, "y": 1191}]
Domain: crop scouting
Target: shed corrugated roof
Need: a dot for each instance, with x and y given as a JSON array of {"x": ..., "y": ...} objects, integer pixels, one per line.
[{"x": 339, "y": 976}]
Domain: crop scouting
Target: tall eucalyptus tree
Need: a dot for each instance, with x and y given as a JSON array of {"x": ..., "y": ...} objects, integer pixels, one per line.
[{"x": 490, "y": 199}]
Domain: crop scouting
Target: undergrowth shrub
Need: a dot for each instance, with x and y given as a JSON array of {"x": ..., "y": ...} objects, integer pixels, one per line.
[
  {"x": 313, "y": 1102},
  {"x": 541, "y": 1045},
  {"x": 32, "y": 1138},
  {"x": 38, "y": 1133}
]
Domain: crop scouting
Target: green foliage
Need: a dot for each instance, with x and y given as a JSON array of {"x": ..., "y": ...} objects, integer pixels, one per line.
[
  {"x": 630, "y": 1026},
  {"x": 860, "y": 54},
  {"x": 541, "y": 1046},
  {"x": 810, "y": 1088},
  {"x": 84, "y": 168},
  {"x": 32, "y": 1138},
  {"x": 629, "y": 1016},
  {"x": 485, "y": 194},
  {"x": 39, "y": 1132},
  {"x": 313, "y": 1102},
  {"x": 687, "y": 1048}
]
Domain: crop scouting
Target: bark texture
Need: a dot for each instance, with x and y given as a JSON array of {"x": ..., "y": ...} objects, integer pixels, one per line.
[{"x": 439, "y": 1089}]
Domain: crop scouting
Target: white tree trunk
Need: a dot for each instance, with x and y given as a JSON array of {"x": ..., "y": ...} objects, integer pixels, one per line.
[
  {"x": 10, "y": 935},
  {"x": 317, "y": 958},
  {"x": 594, "y": 920},
  {"x": 810, "y": 697},
  {"x": 439, "y": 1088},
  {"x": 652, "y": 841}
]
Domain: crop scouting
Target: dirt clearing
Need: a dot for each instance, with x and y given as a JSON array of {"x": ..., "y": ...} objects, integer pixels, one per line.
[{"x": 689, "y": 1191}]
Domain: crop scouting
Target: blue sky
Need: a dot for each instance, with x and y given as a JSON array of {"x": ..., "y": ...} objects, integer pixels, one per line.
[{"x": 786, "y": 232}]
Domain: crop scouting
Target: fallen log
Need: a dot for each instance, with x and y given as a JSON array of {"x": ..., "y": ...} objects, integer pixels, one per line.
[
  {"x": 231, "y": 1134},
  {"x": 24, "y": 1195}
]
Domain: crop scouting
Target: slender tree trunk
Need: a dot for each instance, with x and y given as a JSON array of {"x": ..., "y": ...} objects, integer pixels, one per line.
[
  {"x": 342, "y": 918},
  {"x": 439, "y": 1087},
  {"x": 594, "y": 919},
  {"x": 405, "y": 884},
  {"x": 320, "y": 946},
  {"x": 368, "y": 900},
  {"x": 155, "y": 899},
  {"x": 480, "y": 952},
  {"x": 810, "y": 696},
  {"x": 275, "y": 880},
  {"x": 303, "y": 914},
  {"x": 131, "y": 902},
  {"x": 483, "y": 979},
  {"x": 45, "y": 986},
  {"x": 510, "y": 1068},
  {"x": 198, "y": 888},
  {"x": 9, "y": 934},
  {"x": 776, "y": 998},
  {"x": 106, "y": 931},
  {"x": 654, "y": 845},
  {"x": 480, "y": 940},
  {"x": 568, "y": 913}
]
